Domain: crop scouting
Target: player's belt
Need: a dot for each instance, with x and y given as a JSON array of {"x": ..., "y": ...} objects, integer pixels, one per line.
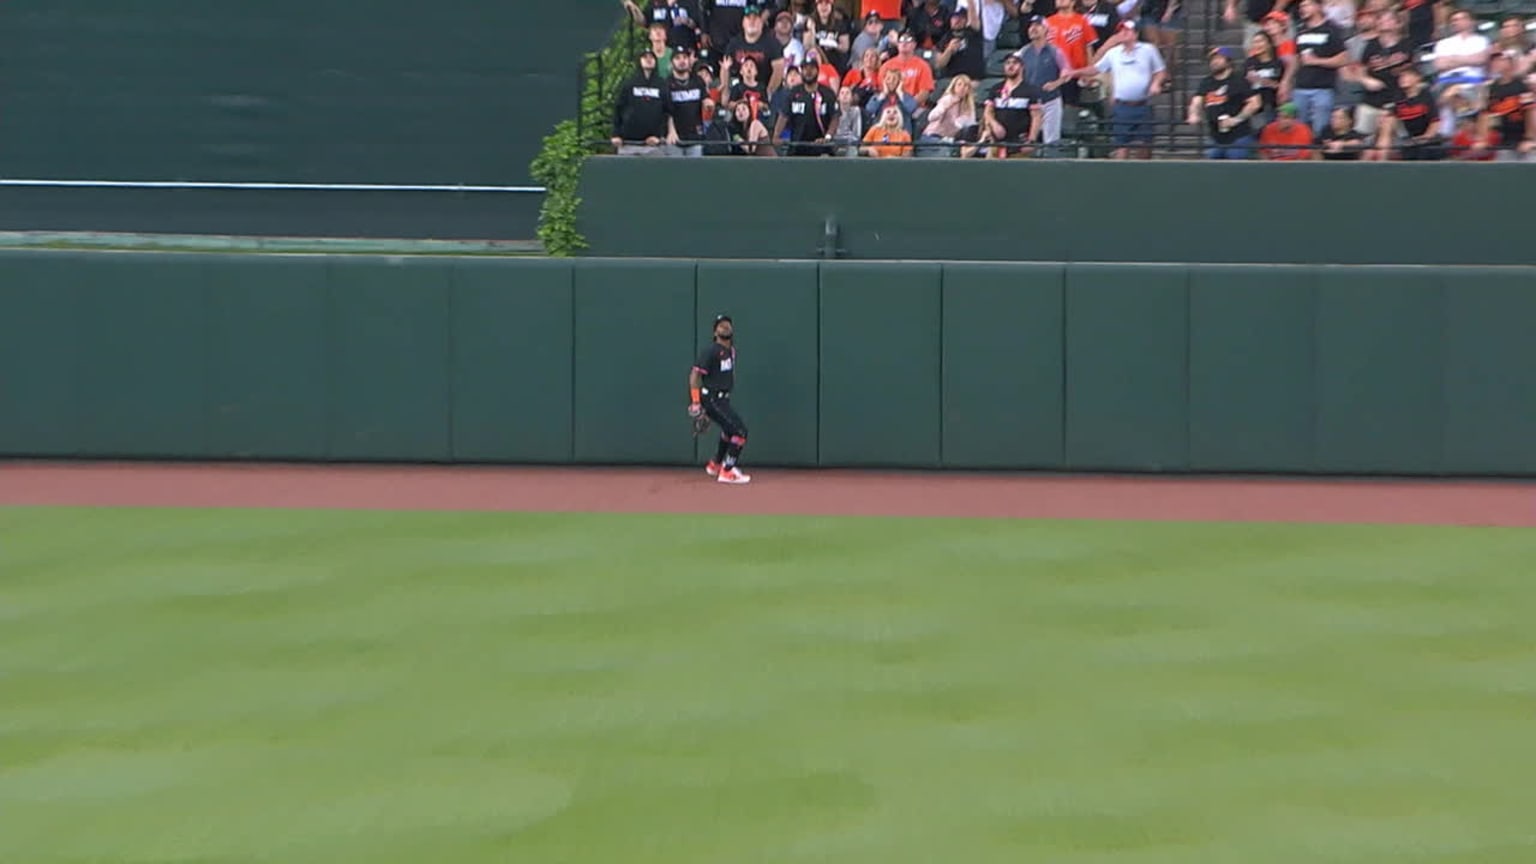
[{"x": 709, "y": 392}]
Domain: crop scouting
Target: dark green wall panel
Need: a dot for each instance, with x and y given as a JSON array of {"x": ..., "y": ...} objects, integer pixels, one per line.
[
  {"x": 143, "y": 384},
  {"x": 634, "y": 345},
  {"x": 1401, "y": 370},
  {"x": 1004, "y": 378},
  {"x": 774, "y": 308},
  {"x": 1250, "y": 368},
  {"x": 870, "y": 203},
  {"x": 880, "y": 382},
  {"x": 291, "y": 90},
  {"x": 389, "y": 383},
  {"x": 1127, "y": 359},
  {"x": 1380, "y": 370},
  {"x": 267, "y": 357},
  {"x": 40, "y": 354},
  {"x": 1490, "y": 362},
  {"x": 512, "y": 361}
]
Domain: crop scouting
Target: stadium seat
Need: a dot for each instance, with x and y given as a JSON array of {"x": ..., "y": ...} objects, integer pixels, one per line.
[{"x": 1011, "y": 36}]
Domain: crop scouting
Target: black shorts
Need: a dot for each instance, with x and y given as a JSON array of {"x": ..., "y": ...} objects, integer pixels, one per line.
[{"x": 719, "y": 409}]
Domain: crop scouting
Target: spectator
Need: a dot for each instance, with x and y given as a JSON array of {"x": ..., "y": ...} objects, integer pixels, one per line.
[
  {"x": 657, "y": 33},
  {"x": 749, "y": 134},
  {"x": 1320, "y": 55},
  {"x": 1277, "y": 26},
  {"x": 1462, "y": 57},
  {"x": 889, "y": 139},
  {"x": 953, "y": 121},
  {"x": 1379, "y": 63},
  {"x": 1256, "y": 14},
  {"x": 1514, "y": 43},
  {"x": 748, "y": 87},
  {"x": 928, "y": 23},
  {"x": 1010, "y": 116},
  {"x": 961, "y": 52},
  {"x": 831, "y": 31},
  {"x": 1137, "y": 73},
  {"x": 726, "y": 22},
  {"x": 826, "y": 74},
  {"x": 1409, "y": 129},
  {"x": 1226, "y": 104},
  {"x": 994, "y": 13},
  {"x": 1349, "y": 90},
  {"x": 778, "y": 100},
  {"x": 1263, "y": 70},
  {"x": 1046, "y": 69},
  {"x": 1342, "y": 142},
  {"x": 916, "y": 75},
  {"x": 1460, "y": 61},
  {"x": 1509, "y": 121},
  {"x": 760, "y": 46},
  {"x": 802, "y": 42},
  {"x": 1163, "y": 20},
  {"x": 683, "y": 19},
  {"x": 810, "y": 117},
  {"x": 1285, "y": 139},
  {"x": 1471, "y": 143},
  {"x": 1073, "y": 35},
  {"x": 890, "y": 94},
  {"x": 640, "y": 113},
  {"x": 715, "y": 130},
  {"x": 1342, "y": 13},
  {"x": 871, "y": 38},
  {"x": 865, "y": 80},
  {"x": 850, "y": 122},
  {"x": 1425, "y": 17},
  {"x": 706, "y": 76},
  {"x": 887, "y": 10},
  {"x": 1105, "y": 17},
  {"x": 784, "y": 33},
  {"x": 685, "y": 106}
]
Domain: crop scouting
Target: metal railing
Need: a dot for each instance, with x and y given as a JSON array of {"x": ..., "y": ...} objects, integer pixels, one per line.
[
  {"x": 1189, "y": 143},
  {"x": 282, "y": 187}
]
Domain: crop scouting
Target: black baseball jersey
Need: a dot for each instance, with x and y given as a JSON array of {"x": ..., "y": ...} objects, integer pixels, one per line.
[
  {"x": 1224, "y": 97},
  {"x": 1325, "y": 41},
  {"x": 717, "y": 365},
  {"x": 1382, "y": 63},
  {"x": 1509, "y": 103},
  {"x": 685, "y": 105},
  {"x": 1415, "y": 113}
]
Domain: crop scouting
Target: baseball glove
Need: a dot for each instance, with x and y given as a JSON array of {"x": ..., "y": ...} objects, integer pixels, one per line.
[{"x": 700, "y": 423}]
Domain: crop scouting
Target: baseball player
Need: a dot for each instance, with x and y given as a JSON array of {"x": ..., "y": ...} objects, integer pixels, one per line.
[{"x": 710, "y": 383}]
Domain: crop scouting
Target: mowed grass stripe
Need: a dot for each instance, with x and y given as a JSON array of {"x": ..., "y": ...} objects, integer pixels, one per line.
[{"x": 289, "y": 686}]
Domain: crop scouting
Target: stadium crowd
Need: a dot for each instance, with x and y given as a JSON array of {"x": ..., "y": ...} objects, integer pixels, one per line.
[{"x": 1311, "y": 79}]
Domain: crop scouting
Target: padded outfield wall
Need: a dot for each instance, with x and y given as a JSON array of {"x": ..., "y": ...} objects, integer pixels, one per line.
[{"x": 1167, "y": 368}]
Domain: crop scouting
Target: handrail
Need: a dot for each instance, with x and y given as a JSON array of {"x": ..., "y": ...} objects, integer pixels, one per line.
[{"x": 1183, "y": 141}]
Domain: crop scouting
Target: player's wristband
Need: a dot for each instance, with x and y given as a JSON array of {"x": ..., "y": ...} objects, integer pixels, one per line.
[{"x": 695, "y": 392}]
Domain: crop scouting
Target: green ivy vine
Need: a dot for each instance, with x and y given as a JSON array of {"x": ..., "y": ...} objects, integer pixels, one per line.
[{"x": 558, "y": 165}]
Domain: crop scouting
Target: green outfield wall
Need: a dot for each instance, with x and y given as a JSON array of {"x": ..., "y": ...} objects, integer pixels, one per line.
[
  {"x": 1164, "y": 368},
  {"x": 1060, "y": 210},
  {"x": 378, "y": 92}
]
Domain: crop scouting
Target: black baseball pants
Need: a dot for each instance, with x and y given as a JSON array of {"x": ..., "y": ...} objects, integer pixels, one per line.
[{"x": 733, "y": 432}]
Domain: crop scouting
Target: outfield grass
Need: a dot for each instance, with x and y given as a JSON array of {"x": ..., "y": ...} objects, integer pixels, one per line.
[{"x": 330, "y": 688}]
